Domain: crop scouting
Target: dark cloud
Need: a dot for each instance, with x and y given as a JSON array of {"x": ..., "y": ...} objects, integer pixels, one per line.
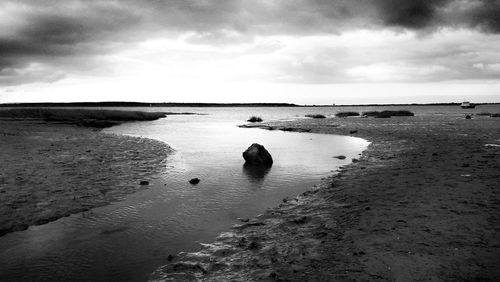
[
  {"x": 48, "y": 31},
  {"x": 486, "y": 16},
  {"x": 413, "y": 14},
  {"x": 425, "y": 14}
]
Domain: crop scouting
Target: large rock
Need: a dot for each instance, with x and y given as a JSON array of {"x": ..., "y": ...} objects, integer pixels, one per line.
[{"x": 256, "y": 154}]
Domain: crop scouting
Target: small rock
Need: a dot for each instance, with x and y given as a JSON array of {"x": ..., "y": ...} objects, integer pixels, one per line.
[
  {"x": 353, "y": 131},
  {"x": 340, "y": 157},
  {"x": 194, "y": 181},
  {"x": 355, "y": 160},
  {"x": 144, "y": 182},
  {"x": 244, "y": 219},
  {"x": 468, "y": 117}
]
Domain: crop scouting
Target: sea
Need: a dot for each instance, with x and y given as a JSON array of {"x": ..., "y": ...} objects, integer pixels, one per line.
[{"x": 128, "y": 240}]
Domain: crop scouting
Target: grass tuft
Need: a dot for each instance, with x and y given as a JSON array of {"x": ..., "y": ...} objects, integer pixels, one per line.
[
  {"x": 254, "y": 119},
  {"x": 347, "y": 114},
  {"x": 388, "y": 114},
  {"x": 316, "y": 116}
]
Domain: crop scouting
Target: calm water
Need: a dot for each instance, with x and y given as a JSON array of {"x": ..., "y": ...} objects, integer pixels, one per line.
[{"x": 127, "y": 240}]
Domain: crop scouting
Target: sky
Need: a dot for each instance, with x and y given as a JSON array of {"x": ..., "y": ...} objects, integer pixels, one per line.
[{"x": 293, "y": 51}]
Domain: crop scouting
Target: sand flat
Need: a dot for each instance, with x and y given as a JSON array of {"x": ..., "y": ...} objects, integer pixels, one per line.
[
  {"x": 422, "y": 203},
  {"x": 50, "y": 170}
]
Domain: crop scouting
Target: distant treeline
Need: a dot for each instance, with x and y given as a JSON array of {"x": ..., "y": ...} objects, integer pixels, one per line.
[{"x": 141, "y": 104}]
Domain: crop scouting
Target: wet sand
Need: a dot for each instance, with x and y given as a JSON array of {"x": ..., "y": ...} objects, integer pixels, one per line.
[
  {"x": 52, "y": 170},
  {"x": 421, "y": 203}
]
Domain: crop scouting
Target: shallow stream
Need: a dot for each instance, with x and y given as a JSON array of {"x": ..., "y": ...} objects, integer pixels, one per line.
[{"x": 127, "y": 240}]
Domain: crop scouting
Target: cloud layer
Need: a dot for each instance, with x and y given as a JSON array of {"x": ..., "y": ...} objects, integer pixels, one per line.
[{"x": 47, "y": 40}]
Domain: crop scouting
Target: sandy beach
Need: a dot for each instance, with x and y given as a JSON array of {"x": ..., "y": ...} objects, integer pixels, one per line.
[
  {"x": 421, "y": 203},
  {"x": 51, "y": 170}
]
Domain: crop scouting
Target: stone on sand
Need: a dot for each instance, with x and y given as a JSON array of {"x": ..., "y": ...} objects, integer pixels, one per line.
[{"x": 194, "y": 181}]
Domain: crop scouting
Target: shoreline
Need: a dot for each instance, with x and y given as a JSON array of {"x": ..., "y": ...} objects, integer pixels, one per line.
[{"x": 421, "y": 203}]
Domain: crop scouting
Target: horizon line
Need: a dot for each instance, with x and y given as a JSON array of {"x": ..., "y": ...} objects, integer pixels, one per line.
[{"x": 209, "y": 104}]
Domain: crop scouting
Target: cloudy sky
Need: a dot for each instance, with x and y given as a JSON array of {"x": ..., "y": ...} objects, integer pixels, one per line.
[{"x": 314, "y": 51}]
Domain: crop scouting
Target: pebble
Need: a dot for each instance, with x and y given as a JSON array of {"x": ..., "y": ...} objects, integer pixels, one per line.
[{"x": 194, "y": 181}]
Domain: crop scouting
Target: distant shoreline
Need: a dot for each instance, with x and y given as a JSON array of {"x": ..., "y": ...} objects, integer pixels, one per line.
[
  {"x": 202, "y": 105},
  {"x": 140, "y": 104}
]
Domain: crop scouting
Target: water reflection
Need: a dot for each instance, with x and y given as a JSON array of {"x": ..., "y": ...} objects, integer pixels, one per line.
[{"x": 256, "y": 173}]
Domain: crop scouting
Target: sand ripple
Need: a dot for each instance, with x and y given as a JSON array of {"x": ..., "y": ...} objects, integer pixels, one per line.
[{"x": 48, "y": 171}]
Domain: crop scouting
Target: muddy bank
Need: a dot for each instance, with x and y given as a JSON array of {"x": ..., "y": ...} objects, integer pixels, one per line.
[
  {"x": 422, "y": 203},
  {"x": 51, "y": 170}
]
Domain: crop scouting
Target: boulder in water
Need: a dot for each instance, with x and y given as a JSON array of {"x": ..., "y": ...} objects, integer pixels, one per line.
[{"x": 256, "y": 154}]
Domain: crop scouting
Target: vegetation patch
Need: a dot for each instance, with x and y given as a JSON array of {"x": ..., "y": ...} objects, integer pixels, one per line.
[
  {"x": 316, "y": 116},
  {"x": 388, "y": 114},
  {"x": 488, "y": 114},
  {"x": 82, "y": 117},
  {"x": 254, "y": 119},
  {"x": 347, "y": 114}
]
